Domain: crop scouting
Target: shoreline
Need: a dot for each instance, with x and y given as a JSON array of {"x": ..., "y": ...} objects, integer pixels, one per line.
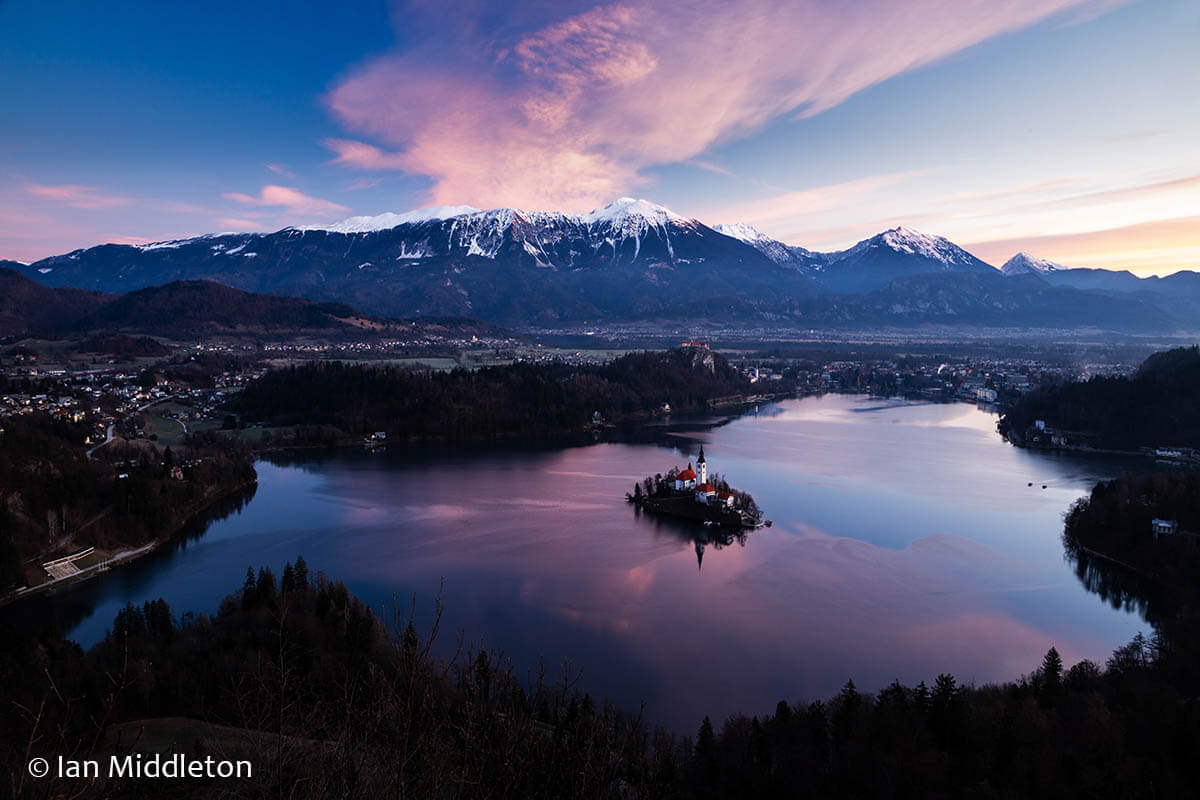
[
  {"x": 724, "y": 406},
  {"x": 123, "y": 557}
]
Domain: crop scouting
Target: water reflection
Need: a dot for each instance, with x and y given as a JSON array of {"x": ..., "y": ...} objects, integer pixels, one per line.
[
  {"x": 906, "y": 542},
  {"x": 700, "y": 537},
  {"x": 1119, "y": 586},
  {"x": 65, "y": 610}
]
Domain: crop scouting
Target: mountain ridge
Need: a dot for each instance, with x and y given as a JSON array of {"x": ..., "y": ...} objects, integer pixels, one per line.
[{"x": 632, "y": 259}]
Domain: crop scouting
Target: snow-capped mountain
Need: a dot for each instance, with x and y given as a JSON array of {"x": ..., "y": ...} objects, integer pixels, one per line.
[
  {"x": 895, "y": 253},
  {"x": 784, "y": 254},
  {"x": 630, "y": 260},
  {"x": 869, "y": 264},
  {"x": 382, "y": 222},
  {"x": 1025, "y": 264}
]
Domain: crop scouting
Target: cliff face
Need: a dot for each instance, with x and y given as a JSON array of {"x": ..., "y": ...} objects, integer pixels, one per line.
[{"x": 700, "y": 359}]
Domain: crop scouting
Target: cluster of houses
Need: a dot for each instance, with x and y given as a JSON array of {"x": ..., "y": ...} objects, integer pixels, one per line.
[{"x": 104, "y": 398}]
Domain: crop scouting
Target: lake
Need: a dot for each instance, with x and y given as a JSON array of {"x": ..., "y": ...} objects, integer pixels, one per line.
[{"x": 906, "y": 542}]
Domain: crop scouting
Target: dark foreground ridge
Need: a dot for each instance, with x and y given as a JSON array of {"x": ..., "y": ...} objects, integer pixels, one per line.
[{"x": 298, "y": 677}]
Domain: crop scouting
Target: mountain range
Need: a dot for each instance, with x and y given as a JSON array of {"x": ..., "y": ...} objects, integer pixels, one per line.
[{"x": 632, "y": 260}]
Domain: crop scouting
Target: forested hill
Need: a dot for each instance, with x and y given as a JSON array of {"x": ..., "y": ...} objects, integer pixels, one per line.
[
  {"x": 1156, "y": 406},
  {"x": 520, "y": 399}
]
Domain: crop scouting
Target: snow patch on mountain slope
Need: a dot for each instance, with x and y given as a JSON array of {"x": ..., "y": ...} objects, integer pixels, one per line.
[
  {"x": 1024, "y": 264},
  {"x": 743, "y": 232},
  {"x": 389, "y": 219}
]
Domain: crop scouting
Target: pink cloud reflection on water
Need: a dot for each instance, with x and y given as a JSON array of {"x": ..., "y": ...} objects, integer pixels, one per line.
[{"x": 870, "y": 572}]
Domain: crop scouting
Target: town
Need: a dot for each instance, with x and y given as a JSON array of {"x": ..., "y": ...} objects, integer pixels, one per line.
[{"x": 183, "y": 388}]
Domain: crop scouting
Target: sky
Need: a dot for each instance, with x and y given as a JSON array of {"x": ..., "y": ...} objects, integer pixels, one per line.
[{"x": 1066, "y": 128}]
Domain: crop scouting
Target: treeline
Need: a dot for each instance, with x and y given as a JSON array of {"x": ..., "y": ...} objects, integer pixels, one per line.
[
  {"x": 298, "y": 676},
  {"x": 1155, "y": 406},
  {"x": 52, "y": 496},
  {"x": 520, "y": 399},
  {"x": 308, "y": 684}
]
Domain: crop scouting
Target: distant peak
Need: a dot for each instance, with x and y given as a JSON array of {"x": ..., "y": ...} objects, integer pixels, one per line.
[
  {"x": 390, "y": 219},
  {"x": 902, "y": 234},
  {"x": 907, "y": 240},
  {"x": 1023, "y": 263},
  {"x": 743, "y": 231},
  {"x": 626, "y": 207}
]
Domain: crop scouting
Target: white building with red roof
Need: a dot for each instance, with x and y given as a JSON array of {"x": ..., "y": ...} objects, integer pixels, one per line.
[{"x": 685, "y": 479}]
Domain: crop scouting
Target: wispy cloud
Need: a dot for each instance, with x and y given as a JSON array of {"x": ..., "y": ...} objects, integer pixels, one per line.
[
  {"x": 572, "y": 112},
  {"x": 1189, "y": 184},
  {"x": 364, "y": 156},
  {"x": 287, "y": 197},
  {"x": 77, "y": 196},
  {"x": 358, "y": 184},
  {"x": 782, "y": 213},
  {"x": 280, "y": 169}
]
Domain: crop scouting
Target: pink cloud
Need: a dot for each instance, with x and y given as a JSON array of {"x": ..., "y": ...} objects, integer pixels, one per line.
[
  {"x": 571, "y": 114},
  {"x": 363, "y": 155},
  {"x": 77, "y": 196},
  {"x": 287, "y": 197}
]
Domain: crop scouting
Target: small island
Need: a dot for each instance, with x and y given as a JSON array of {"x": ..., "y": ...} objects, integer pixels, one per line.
[{"x": 691, "y": 493}]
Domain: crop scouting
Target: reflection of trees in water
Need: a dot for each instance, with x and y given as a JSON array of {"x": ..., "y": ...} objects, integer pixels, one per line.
[
  {"x": 1119, "y": 586},
  {"x": 702, "y": 538},
  {"x": 225, "y": 507},
  {"x": 62, "y": 610}
]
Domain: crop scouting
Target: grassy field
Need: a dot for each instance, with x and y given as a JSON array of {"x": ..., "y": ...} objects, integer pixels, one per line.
[{"x": 169, "y": 431}]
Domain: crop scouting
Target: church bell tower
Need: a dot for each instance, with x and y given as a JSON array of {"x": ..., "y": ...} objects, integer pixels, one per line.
[{"x": 702, "y": 467}]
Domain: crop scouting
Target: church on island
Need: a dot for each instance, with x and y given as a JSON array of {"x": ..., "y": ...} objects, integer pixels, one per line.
[
  {"x": 706, "y": 494},
  {"x": 695, "y": 493}
]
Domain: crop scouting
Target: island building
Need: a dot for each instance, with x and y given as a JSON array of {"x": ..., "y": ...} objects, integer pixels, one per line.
[
  {"x": 1164, "y": 527},
  {"x": 688, "y": 479}
]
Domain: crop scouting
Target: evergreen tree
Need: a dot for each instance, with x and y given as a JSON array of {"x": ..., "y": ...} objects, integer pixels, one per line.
[
  {"x": 301, "y": 572},
  {"x": 1052, "y": 671},
  {"x": 249, "y": 590}
]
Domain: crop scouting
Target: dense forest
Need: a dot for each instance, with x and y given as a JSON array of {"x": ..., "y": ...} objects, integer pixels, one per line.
[
  {"x": 326, "y": 700},
  {"x": 54, "y": 499},
  {"x": 1153, "y": 407},
  {"x": 520, "y": 399},
  {"x": 1108, "y": 535}
]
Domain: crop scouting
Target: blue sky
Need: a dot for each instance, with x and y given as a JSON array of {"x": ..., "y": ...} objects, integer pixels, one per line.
[{"x": 1063, "y": 127}]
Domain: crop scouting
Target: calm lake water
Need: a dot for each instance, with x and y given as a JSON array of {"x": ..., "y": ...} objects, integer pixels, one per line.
[{"x": 906, "y": 542}]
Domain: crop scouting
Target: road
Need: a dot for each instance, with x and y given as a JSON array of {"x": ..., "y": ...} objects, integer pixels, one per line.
[
  {"x": 109, "y": 434},
  {"x": 108, "y": 438}
]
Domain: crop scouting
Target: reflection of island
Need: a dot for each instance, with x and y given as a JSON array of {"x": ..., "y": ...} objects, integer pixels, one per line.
[
  {"x": 702, "y": 537},
  {"x": 693, "y": 494}
]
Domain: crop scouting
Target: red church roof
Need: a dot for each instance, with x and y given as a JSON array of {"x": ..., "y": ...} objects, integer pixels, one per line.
[
  {"x": 686, "y": 475},
  {"x": 704, "y": 487}
]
